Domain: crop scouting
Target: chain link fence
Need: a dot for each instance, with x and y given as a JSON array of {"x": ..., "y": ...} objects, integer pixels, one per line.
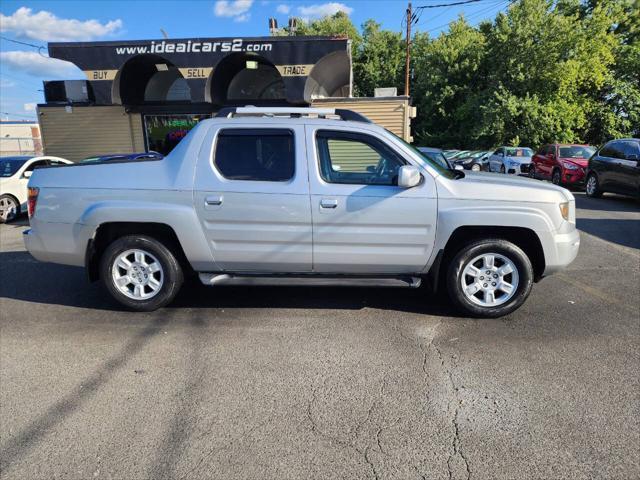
[{"x": 20, "y": 146}]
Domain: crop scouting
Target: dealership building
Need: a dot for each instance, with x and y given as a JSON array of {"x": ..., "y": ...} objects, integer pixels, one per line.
[{"x": 146, "y": 95}]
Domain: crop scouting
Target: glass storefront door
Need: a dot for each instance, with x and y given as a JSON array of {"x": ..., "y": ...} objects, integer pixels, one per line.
[{"x": 164, "y": 132}]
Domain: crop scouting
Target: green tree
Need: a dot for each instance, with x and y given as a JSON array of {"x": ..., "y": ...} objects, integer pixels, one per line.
[{"x": 379, "y": 60}]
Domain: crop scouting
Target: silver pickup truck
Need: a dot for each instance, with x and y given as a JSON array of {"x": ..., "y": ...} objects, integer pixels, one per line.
[{"x": 304, "y": 197}]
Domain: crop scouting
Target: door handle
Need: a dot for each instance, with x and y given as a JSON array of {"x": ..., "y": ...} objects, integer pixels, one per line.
[
  {"x": 328, "y": 203},
  {"x": 213, "y": 200}
]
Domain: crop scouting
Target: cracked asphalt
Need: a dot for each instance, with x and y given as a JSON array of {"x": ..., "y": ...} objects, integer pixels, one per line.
[{"x": 290, "y": 383}]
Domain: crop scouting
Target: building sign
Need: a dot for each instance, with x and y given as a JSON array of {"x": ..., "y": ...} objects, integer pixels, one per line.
[{"x": 114, "y": 69}]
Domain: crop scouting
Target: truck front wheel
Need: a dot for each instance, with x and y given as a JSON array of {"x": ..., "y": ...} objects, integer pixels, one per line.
[
  {"x": 489, "y": 278},
  {"x": 140, "y": 272}
]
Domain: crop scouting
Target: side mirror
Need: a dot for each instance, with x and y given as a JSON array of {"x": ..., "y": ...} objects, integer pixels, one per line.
[
  {"x": 27, "y": 174},
  {"x": 408, "y": 176}
]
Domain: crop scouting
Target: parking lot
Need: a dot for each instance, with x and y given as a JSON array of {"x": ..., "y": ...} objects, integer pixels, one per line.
[{"x": 325, "y": 383}]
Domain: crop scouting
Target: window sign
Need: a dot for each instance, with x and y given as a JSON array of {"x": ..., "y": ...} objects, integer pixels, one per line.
[{"x": 164, "y": 132}]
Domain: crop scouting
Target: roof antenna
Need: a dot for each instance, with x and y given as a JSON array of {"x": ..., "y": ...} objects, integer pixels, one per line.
[{"x": 164, "y": 34}]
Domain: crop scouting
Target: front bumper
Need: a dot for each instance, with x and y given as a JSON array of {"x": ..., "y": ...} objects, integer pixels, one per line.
[
  {"x": 574, "y": 177},
  {"x": 560, "y": 249},
  {"x": 521, "y": 169}
]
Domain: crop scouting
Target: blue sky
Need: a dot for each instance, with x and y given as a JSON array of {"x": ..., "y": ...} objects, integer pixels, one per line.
[{"x": 22, "y": 68}]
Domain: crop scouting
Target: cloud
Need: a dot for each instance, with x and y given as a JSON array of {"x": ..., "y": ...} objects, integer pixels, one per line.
[
  {"x": 324, "y": 9},
  {"x": 6, "y": 83},
  {"x": 45, "y": 26},
  {"x": 32, "y": 63},
  {"x": 30, "y": 107},
  {"x": 242, "y": 18},
  {"x": 284, "y": 9},
  {"x": 238, "y": 9}
]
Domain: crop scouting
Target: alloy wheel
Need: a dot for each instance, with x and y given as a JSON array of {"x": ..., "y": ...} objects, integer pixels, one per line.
[
  {"x": 592, "y": 185},
  {"x": 137, "y": 274},
  {"x": 489, "y": 280},
  {"x": 8, "y": 209},
  {"x": 556, "y": 178}
]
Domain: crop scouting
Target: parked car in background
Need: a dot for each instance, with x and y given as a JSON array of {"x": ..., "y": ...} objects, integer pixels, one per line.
[
  {"x": 123, "y": 157},
  {"x": 513, "y": 160},
  {"x": 435, "y": 155},
  {"x": 615, "y": 168},
  {"x": 14, "y": 176},
  {"x": 563, "y": 164},
  {"x": 475, "y": 160},
  {"x": 239, "y": 204},
  {"x": 459, "y": 154}
]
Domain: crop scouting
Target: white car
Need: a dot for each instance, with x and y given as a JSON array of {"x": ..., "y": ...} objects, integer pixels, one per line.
[
  {"x": 14, "y": 176},
  {"x": 514, "y": 160}
]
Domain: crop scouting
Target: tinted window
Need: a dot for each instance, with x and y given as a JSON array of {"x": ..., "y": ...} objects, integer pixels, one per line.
[
  {"x": 617, "y": 150},
  {"x": 356, "y": 159},
  {"x": 629, "y": 148},
  {"x": 39, "y": 163},
  {"x": 265, "y": 155},
  {"x": 519, "y": 152},
  {"x": 608, "y": 150},
  {"x": 9, "y": 166},
  {"x": 576, "y": 151}
]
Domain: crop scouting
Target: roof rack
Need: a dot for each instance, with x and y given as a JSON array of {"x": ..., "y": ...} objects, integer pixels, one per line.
[{"x": 293, "y": 112}]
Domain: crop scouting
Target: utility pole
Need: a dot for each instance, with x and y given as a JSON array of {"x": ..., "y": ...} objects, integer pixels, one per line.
[{"x": 408, "y": 58}]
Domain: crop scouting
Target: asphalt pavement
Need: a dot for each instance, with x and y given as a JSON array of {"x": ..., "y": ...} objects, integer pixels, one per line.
[{"x": 323, "y": 383}]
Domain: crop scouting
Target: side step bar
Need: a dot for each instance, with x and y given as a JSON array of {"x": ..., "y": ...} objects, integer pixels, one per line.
[{"x": 213, "y": 279}]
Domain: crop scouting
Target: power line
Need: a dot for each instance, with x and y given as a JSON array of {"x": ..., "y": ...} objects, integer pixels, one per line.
[
  {"x": 40, "y": 48},
  {"x": 440, "y": 5},
  {"x": 502, "y": 4}
]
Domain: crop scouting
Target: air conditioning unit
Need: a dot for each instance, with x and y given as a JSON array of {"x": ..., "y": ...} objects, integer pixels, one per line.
[
  {"x": 68, "y": 91},
  {"x": 385, "y": 92}
]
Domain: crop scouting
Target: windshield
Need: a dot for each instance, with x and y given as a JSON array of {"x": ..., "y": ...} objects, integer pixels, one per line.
[
  {"x": 440, "y": 168},
  {"x": 10, "y": 165},
  {"x": 576, "y": 152},
  {"x": 518, "y": 152}
]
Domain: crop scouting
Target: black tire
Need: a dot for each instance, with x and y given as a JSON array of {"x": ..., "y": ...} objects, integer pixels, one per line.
[
  {"x": 532, "y": 171},
  {"x": 172, "y": 274},
  {"x": 4, "y": 199},
  {"x": 502, "y": 169},
  {"x": 496, "y": 246},
  {"x": 593, "y": 191},
  {"x": 556, "y": 177}
]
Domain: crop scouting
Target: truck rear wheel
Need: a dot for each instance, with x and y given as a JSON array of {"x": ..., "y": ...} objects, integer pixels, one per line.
[
  {"x": 140, "y": 272},
  {"x": 489, "y": 278}
]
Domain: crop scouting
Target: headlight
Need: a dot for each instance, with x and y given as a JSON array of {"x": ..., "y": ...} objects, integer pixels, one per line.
[
  {"x": 564, "y": 210},
  {"x": 570, "y": 166}
]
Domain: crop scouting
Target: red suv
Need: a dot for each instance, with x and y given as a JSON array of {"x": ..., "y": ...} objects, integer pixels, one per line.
[{"x": 563, "y": 164}]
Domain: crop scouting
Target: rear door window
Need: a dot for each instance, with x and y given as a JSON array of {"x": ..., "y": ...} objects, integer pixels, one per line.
[{"x": 262, "y": 155}]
